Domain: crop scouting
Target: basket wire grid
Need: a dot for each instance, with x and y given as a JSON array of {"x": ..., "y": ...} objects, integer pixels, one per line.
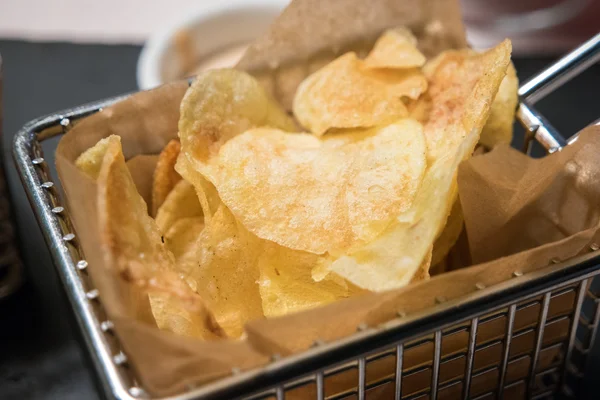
[{"x": 549, "y": 318}]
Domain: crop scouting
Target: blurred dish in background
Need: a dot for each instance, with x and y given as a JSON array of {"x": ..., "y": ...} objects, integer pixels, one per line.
[
  {"x": 215, "y": 36},
  {"x": 192, "y": 64},
  {"x": 536, "y": 27}
]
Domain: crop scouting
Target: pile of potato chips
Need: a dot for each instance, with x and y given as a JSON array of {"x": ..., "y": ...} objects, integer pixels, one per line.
[{"x": 255, "y": 213}]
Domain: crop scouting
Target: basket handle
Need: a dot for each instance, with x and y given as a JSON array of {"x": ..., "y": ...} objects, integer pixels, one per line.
[{"x": 544, "y": 83}]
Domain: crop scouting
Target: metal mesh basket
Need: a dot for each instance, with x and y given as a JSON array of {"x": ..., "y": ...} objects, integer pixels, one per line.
[{"x": 527, "y": 337}]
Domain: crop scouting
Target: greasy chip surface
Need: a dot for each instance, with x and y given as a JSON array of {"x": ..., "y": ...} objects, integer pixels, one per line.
[
  {"x": 320, "y": 195},
  {"x": 132, "y": 245},
  {"x": 286, "y": 285},
  {"x": 90, "y": 161},
  {"x": 165, "y": 177},
  {"x": 222, "y": 263},
  {"x": 225, "y": 271},
  {"x": 182, "y": 240},
  {"x": 462, "y": 88},
  {"x": 221, "y": 104},
  {"x": 181, "y": 202},
  {"x": 344, "y": 95},
  {"x": 499, "y": 127},
  {"x": 182, "y": 236},
  {"x": 449, "y": 235},
  {"x": 420, "y": 108},
  {"x": 244, "y": 277},
  {"x": 396, "y": 48},
  {"x": 206, "y": 193},
  {"x": 409, "y": 83},
  {"x": 422, "y": 273}
]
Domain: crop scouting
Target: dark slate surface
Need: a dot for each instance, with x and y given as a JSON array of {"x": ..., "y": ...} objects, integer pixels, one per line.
[{"x": 41, "y": 355}]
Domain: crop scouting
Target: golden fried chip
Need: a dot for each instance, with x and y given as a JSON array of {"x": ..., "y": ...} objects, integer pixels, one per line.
[
  {"x": 499, "y": 127},
  {"x": 205, "y": 191},
  {"x": 182, "y": 202},
  {"x": 90, "y": 161},
  {"x": 181, "y": 238},
  {"x": 449, "y": 235},
  {"x": 226, "y": 273},
  {"x": 410, "y": 83},
  {"x": 242, "y": 276},
  {"x": 420, "y": 109},
  {"x": 453, "y": 229},
  {"x": 286, "y": 285},
  {"x": 132, "y": 245},
  {"x": 462, "y": 88},
  {"x": 218, "y": 107},
  {"x": 165, "y": 177},
  {"x": 344, "y": 95},
  {"x": 221, "y": 104},
  {"x": 422, "y": 273},
  {"x": 396, "y": 48},
  {"x": 320, "y": 195},
  {"x": 171, "y": 316}
]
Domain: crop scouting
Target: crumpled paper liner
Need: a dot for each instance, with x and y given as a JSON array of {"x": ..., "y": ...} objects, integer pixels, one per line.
[
  {"x": 311, "y": 33},
  {"x": 167, "y": 364},
  {"x": 535, "y": 201}
]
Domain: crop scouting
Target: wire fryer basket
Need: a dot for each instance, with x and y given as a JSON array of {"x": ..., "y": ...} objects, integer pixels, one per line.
[{"x": 526, "y": 337}]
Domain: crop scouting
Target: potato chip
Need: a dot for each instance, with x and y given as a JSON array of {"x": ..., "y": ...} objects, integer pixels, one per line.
[
  {"x": 396, "y": 48},
  {"x": 132, "y": 245},
  {"x": 232, "y": 261},
  {"x": 462, "y": 88},
  {"x": 445, "y": 87},
  {"x": 182, "y": 202},
  {"x": 206, "y": 193},
  {"x": 165, "y": 177},
  {"x": 171, "y": 316},
  {"x": 286, "y": 285},
  {"x": 221, "y": 104},
  {"x": 449, "y": 235},
  {"x": 223, "y": 261},
  {"x": 182, "y": 240},
  {"x": 422, "y": 273},
  {"x": 182, "y": 236},
  {"x": 453, "y": 229},
  {"x": 420, "y": 109},
  {"x": 320, "y": 195},
  {"x": 226, "y": 273},
  {"x": 408, "y": 83},
  {"x": 344, "y": 95},
  {"x": 90, "y": 161},
  {"x": 499, "y": 127}
]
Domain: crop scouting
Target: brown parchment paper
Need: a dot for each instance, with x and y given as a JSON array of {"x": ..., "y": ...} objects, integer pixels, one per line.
[
  {"x": 138, "y": 168},
  {"x": 308, "y": 33},
  {"x": 311, "y": 33}
]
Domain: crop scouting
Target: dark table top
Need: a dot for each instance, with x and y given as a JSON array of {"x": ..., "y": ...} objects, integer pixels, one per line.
[{"x": 41, "y": 355}]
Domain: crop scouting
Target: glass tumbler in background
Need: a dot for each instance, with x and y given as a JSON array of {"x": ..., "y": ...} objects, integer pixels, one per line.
[{"x": 11, "y": 272}]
